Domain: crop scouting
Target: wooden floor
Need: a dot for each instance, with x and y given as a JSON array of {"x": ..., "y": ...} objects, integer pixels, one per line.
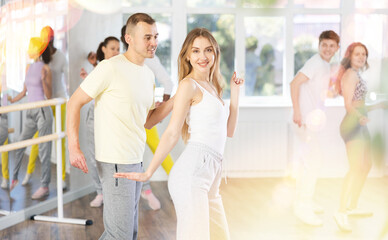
[
  {"x": 255, "y": 208},
  {"x": 20, "y": 197}
]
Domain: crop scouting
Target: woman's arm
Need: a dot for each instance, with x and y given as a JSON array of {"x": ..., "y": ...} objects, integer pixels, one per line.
[
  {"x": 21, "y": 95},
  {"x": 349, "y": 82},
  {"x": 235, "y": 84},
  {"x": 47, "y": 81},
  {"x": 183, "y": 99},
  {"x": 379, "y": 105}
]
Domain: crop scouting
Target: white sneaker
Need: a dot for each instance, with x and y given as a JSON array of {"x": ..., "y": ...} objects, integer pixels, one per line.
[
  {"x": 26, "y": 179},
  {"x": 97, "y": 201},
  {"x": 342, "y": 221},
  {"x": 4, "y": 183},
  {"x": 357, "y": 212},
  {"x": 64, "y": 185},
  {"x": 307, "y": 216},
  {"x": 40, "y": 193},
  {"x": 153, "y": 202}
]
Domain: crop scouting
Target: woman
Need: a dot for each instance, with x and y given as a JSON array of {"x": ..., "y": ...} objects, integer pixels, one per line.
[
  {"x": 110, "y": 47},
  {"x": 204, "y": 120},
  {"x": 38, "y": 86},
  {"x": 354, "y": 132}
]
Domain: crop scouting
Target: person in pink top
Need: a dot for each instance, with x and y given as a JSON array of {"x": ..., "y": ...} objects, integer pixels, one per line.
[
  {"x": 38, "y": 86},
  {"x": 205, "y": 121}
]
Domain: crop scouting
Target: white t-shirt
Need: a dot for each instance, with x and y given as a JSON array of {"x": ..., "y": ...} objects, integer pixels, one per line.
[
  {"x": 313, "y": 92},
  {"x": 160, "y": 73},
  {"x": 124, "y": 94},
  {"x": 58, "y": 66}
]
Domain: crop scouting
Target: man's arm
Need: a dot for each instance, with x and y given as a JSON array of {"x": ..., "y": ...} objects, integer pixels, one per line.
[
  {"x": 158, "y": 114},
  {"x": 74, "y": 105},
  {"x": 295, "y": 84}
]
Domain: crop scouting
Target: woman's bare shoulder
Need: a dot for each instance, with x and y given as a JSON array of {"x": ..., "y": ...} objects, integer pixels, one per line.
[
  {"x": 187, "y": 83},
  {"x": 350, "y": 73}
]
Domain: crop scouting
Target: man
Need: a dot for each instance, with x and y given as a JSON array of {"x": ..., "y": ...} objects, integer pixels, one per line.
[
  {"x": 152, "y": 141},
  {"x": 123, "y": 89},
  {"x": 308, "y": 90}
]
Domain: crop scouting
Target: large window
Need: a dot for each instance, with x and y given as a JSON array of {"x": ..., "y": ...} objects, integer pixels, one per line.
[
  {"x": 268, "y": 41},
  {"x": 264, "y": 53}
]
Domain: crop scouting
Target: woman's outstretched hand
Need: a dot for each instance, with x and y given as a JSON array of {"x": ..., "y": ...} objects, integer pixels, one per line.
[
  {"x": 139, "y": 177},
  {"x": 236, "y": 82}
]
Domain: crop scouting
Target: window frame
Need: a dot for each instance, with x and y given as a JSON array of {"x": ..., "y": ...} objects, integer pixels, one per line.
[{"x": 179, "y": 12}]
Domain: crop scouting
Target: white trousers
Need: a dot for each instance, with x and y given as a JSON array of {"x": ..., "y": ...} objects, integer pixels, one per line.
[
  {"x": 194, "y": 188},
  {"x": 308, "y": 156}
]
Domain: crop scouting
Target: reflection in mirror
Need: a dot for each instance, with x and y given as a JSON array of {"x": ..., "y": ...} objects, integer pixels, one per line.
[
  {"x": 20, "y": 197},
  {"x": 40, "y": 57}
]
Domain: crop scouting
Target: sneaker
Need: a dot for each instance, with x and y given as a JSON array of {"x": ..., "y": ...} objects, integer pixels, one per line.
[
  {"x": 342, "y": 221},
  {"x": 13, "y": 184},
  {"x": 307, "y": 216},
  {"x": 64, "y": 185},
  {"x": 40, "y": 193},
  {"x": 4, "y": 183},
  {"x": 153, "y": 202},
  {"x": 97, "y": 201},
  {"x": 26, "y": 179},
  {"x": 356, "y": 212}
]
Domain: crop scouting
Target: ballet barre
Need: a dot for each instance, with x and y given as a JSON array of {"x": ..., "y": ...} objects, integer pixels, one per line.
[{"x": 56, "y": 136}]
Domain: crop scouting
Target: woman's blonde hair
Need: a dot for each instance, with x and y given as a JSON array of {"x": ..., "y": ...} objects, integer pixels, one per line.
[
  {"x": 345, "y": 64},
  {"x": 185, "y": 68}
]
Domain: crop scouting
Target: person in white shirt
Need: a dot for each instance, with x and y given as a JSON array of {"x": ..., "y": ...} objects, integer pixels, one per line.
[
  {"x": 108, "y": 48},
  {"x": 308, "y": 90},
  {"x": 164, "y": 78},
  {"x": 123, "y": 89}
]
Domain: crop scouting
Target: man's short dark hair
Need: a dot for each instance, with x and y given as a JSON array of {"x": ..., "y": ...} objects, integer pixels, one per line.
[
  {"x": 329, "y": 34},
  {"x": 134, "y": 19}
]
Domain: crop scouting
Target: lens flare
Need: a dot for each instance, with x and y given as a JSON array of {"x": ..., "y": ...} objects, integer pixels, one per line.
[
  {"x": 74, "y": 14},
  {"x": 373, "y": 96},
  {"x": 101, "y": 6},
  {"x": 36, "y": 47},
  {"x": 316, "y": 120},
  {"x": 47, "y": 34}
]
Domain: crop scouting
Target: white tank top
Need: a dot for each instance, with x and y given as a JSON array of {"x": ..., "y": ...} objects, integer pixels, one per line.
[{"x": 207, "y": 121}]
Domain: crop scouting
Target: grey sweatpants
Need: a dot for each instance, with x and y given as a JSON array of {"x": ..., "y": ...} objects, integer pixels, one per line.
[
  {"x": 90, "y": 152},
  {"x": 194, "y": 188},
  {"x": 3, "y": 128},
  {"x": 121, "y": 201},
  {"x": 38, "y": 119}
]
